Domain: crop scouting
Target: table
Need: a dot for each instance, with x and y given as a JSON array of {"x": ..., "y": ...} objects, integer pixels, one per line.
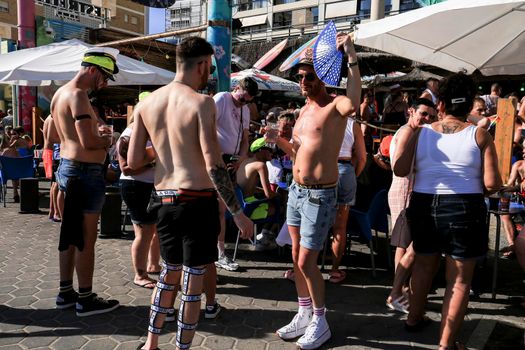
[{"x": 514, "y": 209}]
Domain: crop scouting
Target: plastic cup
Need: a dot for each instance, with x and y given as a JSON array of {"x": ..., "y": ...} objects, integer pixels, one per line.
[{"x": 272, "y": 133}]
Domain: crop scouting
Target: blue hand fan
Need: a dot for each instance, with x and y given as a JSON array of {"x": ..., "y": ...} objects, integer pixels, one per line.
[{"x": 327, "y": 58}]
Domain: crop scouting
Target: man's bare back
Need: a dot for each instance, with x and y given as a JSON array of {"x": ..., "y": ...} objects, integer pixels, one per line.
[
  {"x": 69, "y": 102},
  {"x": 317, "y": 139},
  {"x": 180, "y": 163},
  {"x": 50, "y": 133}
]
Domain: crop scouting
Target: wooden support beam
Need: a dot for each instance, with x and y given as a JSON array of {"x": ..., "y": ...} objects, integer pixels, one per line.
[{"x": 505, "y": 136}]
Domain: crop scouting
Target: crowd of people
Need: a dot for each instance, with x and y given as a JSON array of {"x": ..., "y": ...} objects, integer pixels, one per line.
[{"x": 185, "y": 156}]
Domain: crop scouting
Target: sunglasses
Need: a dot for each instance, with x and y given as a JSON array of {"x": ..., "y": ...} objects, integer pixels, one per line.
[{"x": 307, "y": 76}]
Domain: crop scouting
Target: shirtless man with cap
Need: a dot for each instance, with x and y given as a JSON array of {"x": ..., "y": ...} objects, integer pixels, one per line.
[
  {"x": 312, "y": 202},
  {"x": 83, "y": 151},
  {"x": 189, "y": 172}
]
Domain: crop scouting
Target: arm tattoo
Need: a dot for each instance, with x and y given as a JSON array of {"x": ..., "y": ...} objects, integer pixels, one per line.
[{"x": 221, "y": 179}]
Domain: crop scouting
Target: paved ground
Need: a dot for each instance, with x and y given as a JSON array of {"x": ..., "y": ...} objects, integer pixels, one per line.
[{"x": 256, "y": 301}]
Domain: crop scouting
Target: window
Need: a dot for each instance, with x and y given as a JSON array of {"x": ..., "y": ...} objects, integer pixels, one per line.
[
  {"x": 134, "y": 20},
  {"x": 4, "y": 6},
  {"x": 315, "y": 14},
  {"x": 126, "y": 19},
  {"x": 282, "y": 19},
  {"x": 280, "y": 2}
]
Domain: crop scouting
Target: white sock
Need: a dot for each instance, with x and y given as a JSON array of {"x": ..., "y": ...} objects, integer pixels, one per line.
[{"x": 305, "y": 305}]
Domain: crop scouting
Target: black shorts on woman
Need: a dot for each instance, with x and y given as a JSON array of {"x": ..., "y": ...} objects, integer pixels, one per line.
[
  {"x": 454, "y": 224},
  {"x": 187, "y": 225}
]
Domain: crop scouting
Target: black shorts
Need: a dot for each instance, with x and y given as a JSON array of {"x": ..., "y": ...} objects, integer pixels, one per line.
[
  {"x": 188, "y": 227},
  {"x": 454, "y": 224},
  {"x": 136, "y": 195}
]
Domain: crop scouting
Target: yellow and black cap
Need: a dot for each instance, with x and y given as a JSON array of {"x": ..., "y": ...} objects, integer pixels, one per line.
[{"x": 103, "y": 60}]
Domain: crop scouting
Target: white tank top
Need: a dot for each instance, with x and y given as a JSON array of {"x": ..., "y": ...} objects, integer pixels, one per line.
[
  {"x": 448, "y": 163},
  {"x": 348, "y": 140}
]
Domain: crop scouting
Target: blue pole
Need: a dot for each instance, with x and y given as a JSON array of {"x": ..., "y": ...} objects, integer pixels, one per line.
[{"x": 219, "y": 36}]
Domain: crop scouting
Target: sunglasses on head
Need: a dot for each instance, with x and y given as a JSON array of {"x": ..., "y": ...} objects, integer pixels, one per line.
[{"x": 307, "y": 76}]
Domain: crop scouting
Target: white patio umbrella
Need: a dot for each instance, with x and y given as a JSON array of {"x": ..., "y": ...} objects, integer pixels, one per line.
[
  {"x": 59, "y": 62},
  {"x": 456, "y": 35},
  {"x": 265, "y": 81}
]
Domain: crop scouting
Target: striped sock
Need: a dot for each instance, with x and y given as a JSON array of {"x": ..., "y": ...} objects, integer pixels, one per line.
[
  {"x": 319, "y": 312},
  {"x": 85, "y": 292},
  {"x": 66, "y": 286},
  {"x": 305, "y": 304}
]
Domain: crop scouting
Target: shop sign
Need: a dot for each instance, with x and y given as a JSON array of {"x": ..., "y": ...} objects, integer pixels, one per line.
[{"x": 73, "y": 9}]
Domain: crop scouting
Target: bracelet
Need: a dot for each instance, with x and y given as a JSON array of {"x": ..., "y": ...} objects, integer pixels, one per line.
[
  {"x": 351, "y": 64},
  {"x": 237, "y": 212}
]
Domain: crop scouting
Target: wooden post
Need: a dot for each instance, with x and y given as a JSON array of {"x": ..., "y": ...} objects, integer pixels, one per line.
[
  {"x": 505, "y": 136},
  {"x": 38, "y": 125},
  {"x": 129, "y": 112}
]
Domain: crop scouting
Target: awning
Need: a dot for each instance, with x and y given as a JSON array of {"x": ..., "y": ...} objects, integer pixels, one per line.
[{"x": 253, "y": 21}]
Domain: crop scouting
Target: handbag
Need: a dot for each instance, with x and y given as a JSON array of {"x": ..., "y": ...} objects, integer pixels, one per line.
[{"x": 401, "y": 236}]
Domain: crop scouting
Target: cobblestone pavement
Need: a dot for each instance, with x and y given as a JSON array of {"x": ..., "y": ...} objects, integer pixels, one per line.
[{"x": 256, "y": 300}]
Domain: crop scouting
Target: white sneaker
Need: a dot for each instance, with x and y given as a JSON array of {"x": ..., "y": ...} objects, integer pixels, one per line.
[
  {"x": 297, "y": 327},
  {"x": 316, "y": 334},
  {"x": 225, "y": 262}
]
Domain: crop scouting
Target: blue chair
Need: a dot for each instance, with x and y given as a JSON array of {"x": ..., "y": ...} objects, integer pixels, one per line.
[
  {"x": 15, "y": 169},
  {"x": 376, "y": 218},
  {"x": 248, "y": 209}
]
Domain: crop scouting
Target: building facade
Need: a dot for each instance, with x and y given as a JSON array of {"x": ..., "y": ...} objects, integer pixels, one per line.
[
  {"x": 60, "y": 16},
  {"x": 273, "y": 19}
]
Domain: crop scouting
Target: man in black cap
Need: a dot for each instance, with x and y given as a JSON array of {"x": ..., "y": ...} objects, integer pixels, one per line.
[{"x": 84, "y": 145}]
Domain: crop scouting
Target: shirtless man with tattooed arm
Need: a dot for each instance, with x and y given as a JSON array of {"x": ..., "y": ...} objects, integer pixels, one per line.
[
  {"x": 189, "y": 172},
  {"x": 311, "y": 210}
]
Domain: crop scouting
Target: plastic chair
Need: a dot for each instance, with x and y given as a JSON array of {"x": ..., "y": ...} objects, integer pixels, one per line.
[
  {"x": 15, "y": 169},
  {"x": 248, "y": 209},
  {"x": 376, "y": 218}
]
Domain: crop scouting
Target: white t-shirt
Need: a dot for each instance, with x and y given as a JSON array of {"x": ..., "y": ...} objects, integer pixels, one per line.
[
  {"x": 148, "y": 175},
  {"x": 228, "y": 122},
  {"x": 348, "y": 140}
]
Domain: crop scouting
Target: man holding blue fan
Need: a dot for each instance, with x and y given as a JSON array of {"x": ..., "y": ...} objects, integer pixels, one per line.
[{"x": 312, "y": 204}]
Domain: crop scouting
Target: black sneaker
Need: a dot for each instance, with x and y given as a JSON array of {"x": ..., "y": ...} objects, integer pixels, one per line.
[
  {"x": 95, "y": 305},
  {"x": 66, "y": 300},
  {"x": 212, "y": 311}
]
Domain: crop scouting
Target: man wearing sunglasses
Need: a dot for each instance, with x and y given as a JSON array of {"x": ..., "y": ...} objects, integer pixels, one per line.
[
  {"x": 189, "y": 176},
  {"x": 312, "y": 202},
  {"x": 80, "y": 176},
  {"x": 233, "y": 123}
]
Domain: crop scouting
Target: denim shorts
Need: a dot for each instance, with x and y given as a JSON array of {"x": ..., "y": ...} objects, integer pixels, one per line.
[
  {"x": 91, "y": 176},
  {"x": 347, "y": 184},
  {"x": 313, "y": 210},
  {"x": 454, "y": 224}
]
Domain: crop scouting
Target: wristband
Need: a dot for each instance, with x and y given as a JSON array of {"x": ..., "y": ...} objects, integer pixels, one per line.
[
  {"x": 234, "y": 214},
  {"x": 351, "y": 64}
]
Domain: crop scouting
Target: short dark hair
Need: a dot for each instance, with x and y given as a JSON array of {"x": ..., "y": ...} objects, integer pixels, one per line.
[
  {"x": 478, "y": 100},
  {"x": 249, "y": 85},
  {"x": 191, "y": 48},
  {"x": 457, "y": 93},
  {"x": 286, "y": 115},
  {"x": 422, "y": 101}
]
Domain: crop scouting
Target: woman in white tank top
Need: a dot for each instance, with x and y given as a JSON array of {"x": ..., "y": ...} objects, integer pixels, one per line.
[{"x": 455, "y": 165}]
